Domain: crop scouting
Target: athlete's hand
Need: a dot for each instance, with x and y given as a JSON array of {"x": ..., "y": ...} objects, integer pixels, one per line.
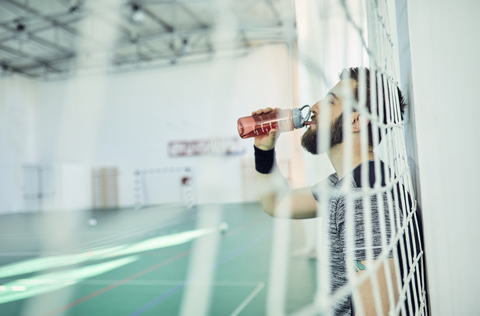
[{"x": 266, "y": 142}]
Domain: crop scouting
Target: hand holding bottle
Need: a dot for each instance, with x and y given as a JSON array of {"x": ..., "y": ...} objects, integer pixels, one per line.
[
  {"x": 267, "y": 141},
  {"x": 266, "y": 124}
]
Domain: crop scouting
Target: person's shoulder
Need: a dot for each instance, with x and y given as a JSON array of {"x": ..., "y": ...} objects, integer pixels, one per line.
[{"x": 372, "y": 176}]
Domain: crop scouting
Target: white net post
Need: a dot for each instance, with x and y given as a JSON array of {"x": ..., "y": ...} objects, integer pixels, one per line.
[{"x": 279, "y": 258}]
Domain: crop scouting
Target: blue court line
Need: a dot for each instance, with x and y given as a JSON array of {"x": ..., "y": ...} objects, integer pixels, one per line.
[{"x": 179, "y": 287}]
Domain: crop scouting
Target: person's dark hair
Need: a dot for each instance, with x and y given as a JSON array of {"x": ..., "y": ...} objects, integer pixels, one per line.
[{"x": 354, "y": 73}]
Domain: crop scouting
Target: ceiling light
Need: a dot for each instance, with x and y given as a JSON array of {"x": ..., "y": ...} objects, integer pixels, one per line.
[
  {"x": 137, "y": 14},
  {"x": 21, "y": 31},
  {"x": 186, "y": 48},
  {"x": 5, "y": 70},
  {"x": 74, "y": 8}
]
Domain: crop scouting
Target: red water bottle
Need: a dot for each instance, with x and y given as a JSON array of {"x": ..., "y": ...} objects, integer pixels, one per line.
[{"x": 282, "y": 120}]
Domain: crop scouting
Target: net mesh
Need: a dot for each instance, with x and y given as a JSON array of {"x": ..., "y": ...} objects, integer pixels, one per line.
[{"x": 386, "y": 235}]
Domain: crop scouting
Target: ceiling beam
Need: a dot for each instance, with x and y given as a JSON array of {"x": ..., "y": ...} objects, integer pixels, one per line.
[
  {"x": 193, "y": 15},
  {"x": 157, "y": 19},
  {"x": 37, "y": 62},
  {"x": 152, "y": 42},
  {"x": 40, "y": 62},
  {"x": 53, "y": 22},
  {"x": 13, "y": 51},
  {"x": 39, "y": 40}
]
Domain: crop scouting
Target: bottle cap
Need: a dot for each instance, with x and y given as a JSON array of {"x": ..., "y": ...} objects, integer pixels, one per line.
[{"x": 298, "y": 119}]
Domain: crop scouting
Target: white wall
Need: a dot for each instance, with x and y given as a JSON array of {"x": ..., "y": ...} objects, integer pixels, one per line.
[
  {"x": 127, "y": 120},
  {"x": 16, "y": 139},
  {"x": 445, "y": 75}
]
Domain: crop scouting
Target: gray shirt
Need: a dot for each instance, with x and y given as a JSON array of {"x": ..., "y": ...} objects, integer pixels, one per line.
[{"x": 337, "y": 223}]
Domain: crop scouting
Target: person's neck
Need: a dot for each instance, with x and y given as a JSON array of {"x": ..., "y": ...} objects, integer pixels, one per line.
[{"x": 337, "y": 156}]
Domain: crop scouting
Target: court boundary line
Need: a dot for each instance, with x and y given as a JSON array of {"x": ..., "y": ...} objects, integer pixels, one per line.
[{"x": 249, "y": 298}]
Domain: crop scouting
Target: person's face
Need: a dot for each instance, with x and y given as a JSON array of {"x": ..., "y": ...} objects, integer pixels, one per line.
[{"x": 331, "y": 105}]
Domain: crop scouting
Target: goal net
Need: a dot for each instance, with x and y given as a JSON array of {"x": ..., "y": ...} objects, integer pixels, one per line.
[
  {"x": 371, "y": 258},
  {"x": 165, "y": 185}
]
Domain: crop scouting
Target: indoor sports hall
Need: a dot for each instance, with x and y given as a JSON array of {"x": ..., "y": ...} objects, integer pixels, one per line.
[{"x": 239, "y": 157}]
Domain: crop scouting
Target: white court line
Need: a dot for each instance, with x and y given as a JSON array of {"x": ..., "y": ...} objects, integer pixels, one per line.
[
  {"x": 132, "y": 282},
  {"x": 248, "y": 299}
]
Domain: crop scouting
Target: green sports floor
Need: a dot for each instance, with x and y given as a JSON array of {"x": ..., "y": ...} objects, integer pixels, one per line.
[{"x": 139, "y": 262}]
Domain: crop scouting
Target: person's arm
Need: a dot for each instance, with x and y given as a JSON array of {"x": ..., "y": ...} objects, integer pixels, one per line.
[
  {"x": 277, "y": 198},
  {"x": 365, "y": 293}
]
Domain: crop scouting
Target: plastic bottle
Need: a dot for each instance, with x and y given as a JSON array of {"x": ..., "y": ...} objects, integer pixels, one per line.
[{"x": 282, "y": 120}]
